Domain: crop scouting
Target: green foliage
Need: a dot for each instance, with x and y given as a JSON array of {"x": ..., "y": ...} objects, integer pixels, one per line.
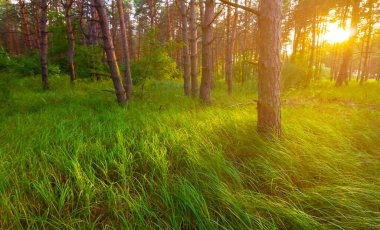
[
  {"x": 293, "y": 75},
  {"x": 244, "y": 69},
  {"x": 72, "y": 158},
  {"x": 88, "y": 62},
  {"x": 25, "y": 65},
  {"x": 155, "y": 62},
  {"x": 4, "y": 59}
]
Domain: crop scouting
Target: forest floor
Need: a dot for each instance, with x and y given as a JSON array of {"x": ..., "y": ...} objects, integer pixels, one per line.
[{"x": 72, "y": 158}]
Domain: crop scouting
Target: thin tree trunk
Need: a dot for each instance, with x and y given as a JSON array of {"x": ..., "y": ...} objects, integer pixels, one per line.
[
  {"x": 185, "y": 49},
  {"x": 9, "y": 34},
  {"x": 347, "y": 53},
  {"x": 364, "y": 74},
  {"x": 230, "y": 45},
  {"x": 127, "y": 70},
  {"x": 207, "y": 38},
  {"x": 44, "y": 44},
  {"x": 92, "y": 25},
  {"x": 131, "y": 48},
  {"x": 70, "y": 33},
  {"x": 228, "y": 25},
  {"x": 110, "y": 51},
  {"x": 36, "y": 14},
  {"x": 268, "y": 105},
  {"x": 297, "y": 31},
  {"x": 25, "y": 24},
  {"x": 312, "y": 50},
  {"x": 113, "y": 16},
  {"x": 193, "y": 48}
]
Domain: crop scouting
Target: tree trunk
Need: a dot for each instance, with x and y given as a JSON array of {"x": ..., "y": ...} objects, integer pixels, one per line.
[
  {"x": 110, "y": 51},
  {"x": 113, "y": 16},
  {"x": 131, "y": 48},
  {"x": 25, "y": 24},
  {"x": 230, "y": 45},
  {"x": 207, "y": 38},
  {"x": 293, "y": 56},
  {"x": 127, "y": 70},
  {"x": 268, "y": 105},
  {"x": 70, "y": 34},
  {"x": 312, "y": 49},
  {"x": 185, "y": 48},
  {"x": 193, "y": 48},
  {"x": 364, "y": 74},
  {"x": 347, "y": 53},
  {"x": 92, "y": 25},
  {"x": 44, "y": 44},
  {"x": 228, "y": 26}
]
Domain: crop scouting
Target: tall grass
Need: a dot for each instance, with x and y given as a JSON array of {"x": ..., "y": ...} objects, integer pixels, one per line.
[{"x": 72, "y": 158}]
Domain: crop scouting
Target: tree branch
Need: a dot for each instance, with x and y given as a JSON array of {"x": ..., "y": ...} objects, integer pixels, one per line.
[{"x": 252, "y": 10}]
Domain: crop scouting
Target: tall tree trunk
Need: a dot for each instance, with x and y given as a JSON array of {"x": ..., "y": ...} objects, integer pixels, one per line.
[
  {"x": 36, "y": 16},
  {"x": 9, "y": 34},
  {"x": 228, "y": 31},
  {"x": 113, "y": 16},
  {"x": 44, "y": 44},
  {"x": 185, "y": 48},
  {"x": 110, "y": 51},
  {"x": 296, "y": 37},
  {"x": 207, "y": 38},
  {"x": 230, "y": 45},
  {"x": 92, "y": 25},
  {"x": 127, "y": 70},
  {"x": 70, "y": 34},
  {"x": 312, "y": 50},
  {"x": 127, "y": 15},
  {"x": 268, "y": 105},
  {"x": 193, "y": 48},
  {"x": 25, "y": 24},
  {"x": 201, "y": 9},
  {"x": 347, "y": 53},
  {"x": 364, "y": 74}
]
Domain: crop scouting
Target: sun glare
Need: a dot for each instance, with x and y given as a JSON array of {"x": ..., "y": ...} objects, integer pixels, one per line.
[{"x": 336, "y": 34}]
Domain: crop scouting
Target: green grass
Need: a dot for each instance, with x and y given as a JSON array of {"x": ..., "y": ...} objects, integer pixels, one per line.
[{"x": 73, "y": 158}]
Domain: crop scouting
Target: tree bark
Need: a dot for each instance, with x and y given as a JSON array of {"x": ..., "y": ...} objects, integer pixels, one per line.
[
  {"x": 230, "y": 45},
  {"x": 207, "y": 38},
  {"x": 127, "y": 70},
  {"x": 364, "y": 74},
  {"x": 268, "y": 105},
  {"x": 185, "y": 48},
  {"x": 25, "y": 24},
  {"x": 127, "y": 15},
  {"x": 44, "y": 44},
  {"x": 70, "y": 34},
  {"x": 347, "y": 53},
  {"x": 92, "y": 25},
  {"x": 312, "y": 49},
  {"x": 110, "y": 51},
  {"x": 193, "y": 48}
]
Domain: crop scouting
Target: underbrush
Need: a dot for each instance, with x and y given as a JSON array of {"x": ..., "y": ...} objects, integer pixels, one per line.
[{"x": 72, "y": 158}]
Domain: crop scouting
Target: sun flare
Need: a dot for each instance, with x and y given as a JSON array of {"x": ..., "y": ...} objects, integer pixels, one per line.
[{"x": 336, "y": 34}]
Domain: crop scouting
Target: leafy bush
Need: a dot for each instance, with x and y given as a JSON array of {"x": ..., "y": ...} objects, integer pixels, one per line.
[
  {"x": 25, "y": 64},
  {"x": 4, "y": 59},
  {"x": 155, "y": 63},
  {"x": 88, "y": 62},
  {"x": 293, "y": 75}
]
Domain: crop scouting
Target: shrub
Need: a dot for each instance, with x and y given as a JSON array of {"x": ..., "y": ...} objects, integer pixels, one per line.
[
  {"x": 88, "y": 62},
  {"x": 155, "y": 62},
  {"x": 293, "y": 75}
]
